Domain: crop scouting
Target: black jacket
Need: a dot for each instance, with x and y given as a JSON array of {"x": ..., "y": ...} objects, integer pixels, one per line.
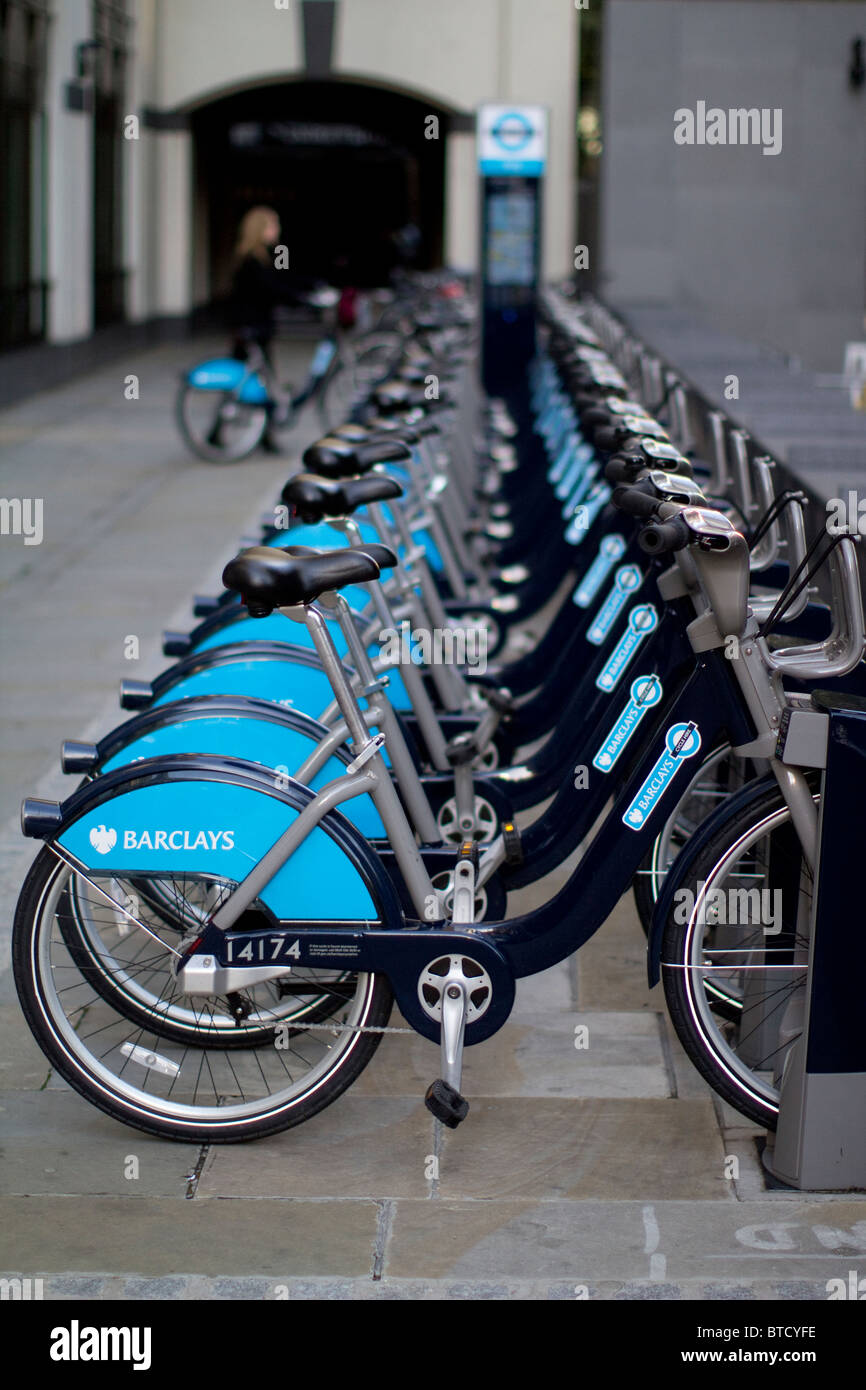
[{"x": 257, "y": 287}]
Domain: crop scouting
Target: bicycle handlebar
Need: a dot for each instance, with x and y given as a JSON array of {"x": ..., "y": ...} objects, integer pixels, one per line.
[
  {"x": 663, "y": 537},
  {"x": 635, "y": 502}
]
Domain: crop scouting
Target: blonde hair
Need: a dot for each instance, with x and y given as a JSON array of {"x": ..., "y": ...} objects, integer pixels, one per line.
[{"x": 251, "y": 233}]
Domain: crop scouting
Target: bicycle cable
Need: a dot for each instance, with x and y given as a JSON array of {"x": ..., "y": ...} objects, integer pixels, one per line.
[{"x": 793, "y": 588}]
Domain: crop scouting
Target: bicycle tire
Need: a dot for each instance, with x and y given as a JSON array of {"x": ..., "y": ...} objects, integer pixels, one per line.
[
  {"x": 718, "y": 1047},
  {"x": 198, "y": 443}
]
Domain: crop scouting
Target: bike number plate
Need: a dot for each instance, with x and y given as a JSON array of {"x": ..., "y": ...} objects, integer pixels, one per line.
[{"x": 264, "y": 948}]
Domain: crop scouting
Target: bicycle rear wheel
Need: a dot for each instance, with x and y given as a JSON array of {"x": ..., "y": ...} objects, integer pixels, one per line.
[
  {"x": 131, "y": 970},
  {"x": 133, "y": 1071}
]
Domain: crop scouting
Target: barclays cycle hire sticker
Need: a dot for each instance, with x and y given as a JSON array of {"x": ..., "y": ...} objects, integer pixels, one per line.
[
  {"x": 560, "y": 463},
  {"x": 569, "y": 477},
  {"x": 579, "y": 491},
  {"x": 645, "y": 692},
  {"x": 609, "y": 551},
  {"x": 642, "y": 620},
  {"x": 681, "y": 741},
  {"x": 626, "y": 580},
  {"x": 563, "y": 462}
]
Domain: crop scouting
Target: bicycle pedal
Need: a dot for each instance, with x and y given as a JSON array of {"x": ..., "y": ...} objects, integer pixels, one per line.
[
  {"x": 499, "y": 699},
  {"x": 445, "y": 1103},
  {"x": 461, "y": 749},
  {"x": 469, "y": 851}
]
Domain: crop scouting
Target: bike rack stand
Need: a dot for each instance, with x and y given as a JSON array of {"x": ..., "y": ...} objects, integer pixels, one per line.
[{"x": 820, "y": 1142}]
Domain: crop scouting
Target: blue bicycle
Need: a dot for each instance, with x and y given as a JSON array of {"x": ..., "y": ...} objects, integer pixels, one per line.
[{"x": 226, "y": 406}]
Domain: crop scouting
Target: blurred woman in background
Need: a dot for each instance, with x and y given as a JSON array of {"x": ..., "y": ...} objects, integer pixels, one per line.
[{"x": 258, "y": 286}]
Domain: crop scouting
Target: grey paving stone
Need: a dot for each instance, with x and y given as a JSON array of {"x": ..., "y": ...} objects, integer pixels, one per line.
[
  {"x": 536, "y": 1056},
  {"x": 550, "y": 990},
  {"x": 654, "y": 1293},
  {"x": 496, "y": 1241},
  {"x": 23, "y": 1066},
  {"x": 198, "y": 1288},
  {"x": 584, "y": 1149},
  {"x": 54, "y": 1144},
  {"x": 72, "y": 1287},
  {"x": 696, "y": 1243},
  {"x": 154, "y": 1237},
  {"x": 620, "y": 1056},
  {"x": 155, "y": 1289},
  {"x": 358, "y": 1147}
]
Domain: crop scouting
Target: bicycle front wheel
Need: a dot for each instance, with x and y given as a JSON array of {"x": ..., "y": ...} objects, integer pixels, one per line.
[
  {"x": 738, "y": 934},
  {"x": 217, "y": 426}
]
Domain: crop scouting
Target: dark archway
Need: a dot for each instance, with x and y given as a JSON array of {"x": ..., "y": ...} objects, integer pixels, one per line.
[{"x": 345, "y": 164}]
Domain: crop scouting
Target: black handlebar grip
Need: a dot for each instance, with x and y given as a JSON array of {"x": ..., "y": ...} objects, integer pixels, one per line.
[
  {"x": 606, "y": 438},
  {"x": 660, "y": 537},
  {"x": 593, "y": 416},
  {"x": 589, "y": 400},
  {"x": 624, "y": 468},
  {"x": 635, "y": 502}
]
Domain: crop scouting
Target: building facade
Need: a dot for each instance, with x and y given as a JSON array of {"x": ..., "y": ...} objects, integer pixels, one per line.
[{"x": 137, "y": 132}]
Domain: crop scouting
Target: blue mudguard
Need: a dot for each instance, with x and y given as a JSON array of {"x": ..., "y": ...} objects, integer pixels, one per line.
[
  {"x": 294, "y": 687},
  {"x": 278, "y": 679},
  {"x": 226, "y": 374},
  {"x": 266, "y": 742},
  {"x": 324, "y": 535},
  {"x": 208, "y": 816},
  {"x": 272, "y": 629}
]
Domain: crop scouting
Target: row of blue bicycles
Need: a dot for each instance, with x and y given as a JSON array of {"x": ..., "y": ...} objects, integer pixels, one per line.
[{"x": 358, "y": 752}]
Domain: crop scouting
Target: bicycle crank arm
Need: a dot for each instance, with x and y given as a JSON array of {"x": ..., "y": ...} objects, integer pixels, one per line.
[{"x": 443, "y": 1098}]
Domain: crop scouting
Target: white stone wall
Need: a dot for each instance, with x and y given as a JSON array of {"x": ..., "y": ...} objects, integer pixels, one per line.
[
  {"x": 69, "y": 183},
  {"x": 188, "y": 52}
]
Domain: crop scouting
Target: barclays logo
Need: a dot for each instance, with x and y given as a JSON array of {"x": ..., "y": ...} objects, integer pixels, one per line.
[{"x": 103, "y": 839}]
